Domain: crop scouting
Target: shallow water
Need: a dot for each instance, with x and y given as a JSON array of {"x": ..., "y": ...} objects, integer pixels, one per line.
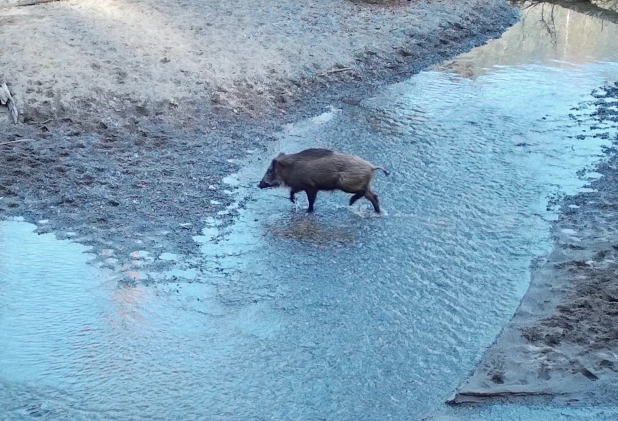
[{"x": 341, "y": 314}]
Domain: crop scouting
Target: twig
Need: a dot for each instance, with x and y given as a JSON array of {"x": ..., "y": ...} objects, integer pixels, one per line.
[
  {"x": 13, "y": 110},
  {"x": 24, "y": 3},
  {"x": 16, "y": 141},
  {"x": 344, "y": 69}
]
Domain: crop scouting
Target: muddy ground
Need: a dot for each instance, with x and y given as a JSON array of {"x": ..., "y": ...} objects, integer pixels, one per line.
[
  {"x": 562, "y": 342},
  {"x": 131, "y": 113}
]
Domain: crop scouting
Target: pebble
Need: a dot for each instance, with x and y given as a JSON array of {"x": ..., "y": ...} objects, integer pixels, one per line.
[
  {"x": 168, "y": 256},
  {"x": 140, "y": 254}
]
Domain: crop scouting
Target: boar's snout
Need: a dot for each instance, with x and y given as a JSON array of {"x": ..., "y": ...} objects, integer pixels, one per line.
[
  {"x": 265, "y": 184},
  {"x": 270, "y": 179}
]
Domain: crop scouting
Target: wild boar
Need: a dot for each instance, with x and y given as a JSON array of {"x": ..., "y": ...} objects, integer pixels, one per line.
[{"x": 317, "y": 169}]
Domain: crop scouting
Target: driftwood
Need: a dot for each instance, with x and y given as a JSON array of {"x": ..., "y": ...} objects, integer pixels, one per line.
[
  {"x": 7, "y": 99},
  {"x": 5, "y": 94},
  {"x": 16, "y": 141},
  {"x": 13, "y": 111}
]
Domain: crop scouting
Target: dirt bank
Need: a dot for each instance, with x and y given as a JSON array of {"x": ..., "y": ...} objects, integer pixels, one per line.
[
  {"x": 88, "y": 59},
  {"x": 136, "y": 110},
  {"x": 562, "y": 342}
]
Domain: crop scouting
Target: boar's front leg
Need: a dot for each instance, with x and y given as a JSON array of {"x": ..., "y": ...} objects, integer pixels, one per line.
[
  {"x": 311, "y": 195},
  {"x": 356, "y": 196},
  {"x": 292, "y": 193}
]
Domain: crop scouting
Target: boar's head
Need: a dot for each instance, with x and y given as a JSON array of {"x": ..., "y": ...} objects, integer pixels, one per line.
[{"x": 272, "y": 178}]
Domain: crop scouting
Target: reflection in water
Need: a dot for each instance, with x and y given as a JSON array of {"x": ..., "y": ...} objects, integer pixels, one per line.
[
  {"x": 128, "y": 299},
  {"x": 310, "y": 230},
  {"x": 548, "y": 34}
]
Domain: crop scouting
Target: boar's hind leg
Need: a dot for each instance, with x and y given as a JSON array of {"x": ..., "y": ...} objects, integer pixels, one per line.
[
  {"x": 373, "y": 198},
  {"x": 311, "y": 195},
  {"x": 356, "y": 196}
]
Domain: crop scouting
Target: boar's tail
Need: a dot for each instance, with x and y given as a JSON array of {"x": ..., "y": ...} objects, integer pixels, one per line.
[{"x": 380, "y": 168}]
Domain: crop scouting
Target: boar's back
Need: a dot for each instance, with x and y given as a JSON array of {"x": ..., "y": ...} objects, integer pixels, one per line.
[
  {"x": 313, "y": 153},
  {"x": 327, "y": 170}
]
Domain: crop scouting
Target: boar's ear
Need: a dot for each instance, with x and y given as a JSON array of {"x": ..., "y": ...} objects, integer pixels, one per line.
[{"x": 279, "y": 161}]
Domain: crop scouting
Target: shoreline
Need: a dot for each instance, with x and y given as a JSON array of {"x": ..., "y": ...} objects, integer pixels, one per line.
[{"x": 560, "y": 344}]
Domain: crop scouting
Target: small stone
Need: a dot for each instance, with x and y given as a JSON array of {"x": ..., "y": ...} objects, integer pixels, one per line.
[
  {"x": 140, "y": 254},
  {"x": 589, "y": 374},
  {"x": 168, "y": 256}
]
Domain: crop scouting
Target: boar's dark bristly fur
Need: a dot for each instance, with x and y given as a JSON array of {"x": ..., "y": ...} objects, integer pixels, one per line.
[{"x": 317, "y": 169}]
